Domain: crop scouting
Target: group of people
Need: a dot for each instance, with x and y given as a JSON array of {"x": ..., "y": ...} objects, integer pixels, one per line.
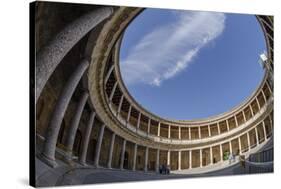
[
  {"x": 231, "y": 158},
  {"x": 164, "y": 169}
]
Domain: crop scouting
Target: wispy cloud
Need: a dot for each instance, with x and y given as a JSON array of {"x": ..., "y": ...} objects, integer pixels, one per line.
[{"x": 167, "y": 50}]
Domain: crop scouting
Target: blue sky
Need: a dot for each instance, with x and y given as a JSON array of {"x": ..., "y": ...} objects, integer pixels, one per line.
[{"x": 191, "y": 64}]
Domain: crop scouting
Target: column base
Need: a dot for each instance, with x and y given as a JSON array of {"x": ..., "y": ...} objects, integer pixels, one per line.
[
  {"x": 83, "y": 163},
  {"x": 96, "y": 166},
  {"x": 49, "y": 161},
  {"x": 67, "y": 157}
]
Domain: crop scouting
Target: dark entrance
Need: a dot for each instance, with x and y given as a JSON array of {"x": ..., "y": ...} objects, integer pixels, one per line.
[{"x": 126, "y": 160}]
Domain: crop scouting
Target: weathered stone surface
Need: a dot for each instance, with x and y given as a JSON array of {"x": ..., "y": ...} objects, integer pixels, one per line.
[
  {"x": 98, "y": 146},
  {"x": 85, "y": 143},
  {"x": 74, "y": 126},
  {"x": 58, "y": 113},
  {"x": 51, "y": 55},
  {"x": 111, "y": 150}
]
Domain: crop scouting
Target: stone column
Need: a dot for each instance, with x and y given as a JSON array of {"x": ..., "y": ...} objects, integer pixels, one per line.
[
  {"x": 168, "y": 157},
  {"x": 109, "y": 73},
  {"x": 49, "y": 57},
  {"x": 199, "y": 132},
  {"x": 85, "y": 142},
  {"x": 129, "y": 114},
  {"x": 74, "y": 126},
  {"x": 221, "y": 153},
  {"x": 219, "y": 130},
  {"x": 48, "y": 153},
  {"x": 259, "y": 106},
  {"x": 138, "y": 124},
  {"x": 169, "y": 131},
  {"x": 211, "y": 155},
  {"x": 123, "y": 154},
  {"x": 179, "y": 160},
  {"x": 98, "y": 146},
  {"x": 244, "y": 117},
  {"x": 209, "y": 130},
  {"x": 227, "y": 124},
  {"x": 111, "y": 150},
  {"x": 158, "y": 132},
  {"x": 112, "y": 92},
  {"x": 146, "y": 159},
  {"x": 271, "y": 123},
  {"x": 264, "y": 98},
  {"x": 230, "y": 147},
  {"x": 135, "y": 157},
  {"x": 189, "y": 133},
  {"x": 268, "y": 86},
  {"x": 239, "y": 144},
  {"x": 157, "y": 161},
  {"x": 236, "y": 122},
  {"x": 148, "y": 126},
  {"x": 264, "y": 130},
  {"x": 257, "y": 136},
  {"x": 251, "y": 109},
  {"x": 120, "y": 105},
  {"x": 179, "y": 132},
  {"x": 190, "y": 159},
  {"x": 248, "y": 139},
  {"x": 200, "y": 154}
]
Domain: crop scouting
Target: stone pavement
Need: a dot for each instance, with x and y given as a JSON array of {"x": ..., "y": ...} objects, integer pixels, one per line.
[{"x": 76, "y": 175}]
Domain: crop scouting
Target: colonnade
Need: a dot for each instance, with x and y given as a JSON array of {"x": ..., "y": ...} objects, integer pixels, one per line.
[{"x": 182, "y": 131}]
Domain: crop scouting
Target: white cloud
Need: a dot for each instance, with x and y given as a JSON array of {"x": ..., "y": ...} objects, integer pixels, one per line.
[{"x": 168, "y": 49}]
